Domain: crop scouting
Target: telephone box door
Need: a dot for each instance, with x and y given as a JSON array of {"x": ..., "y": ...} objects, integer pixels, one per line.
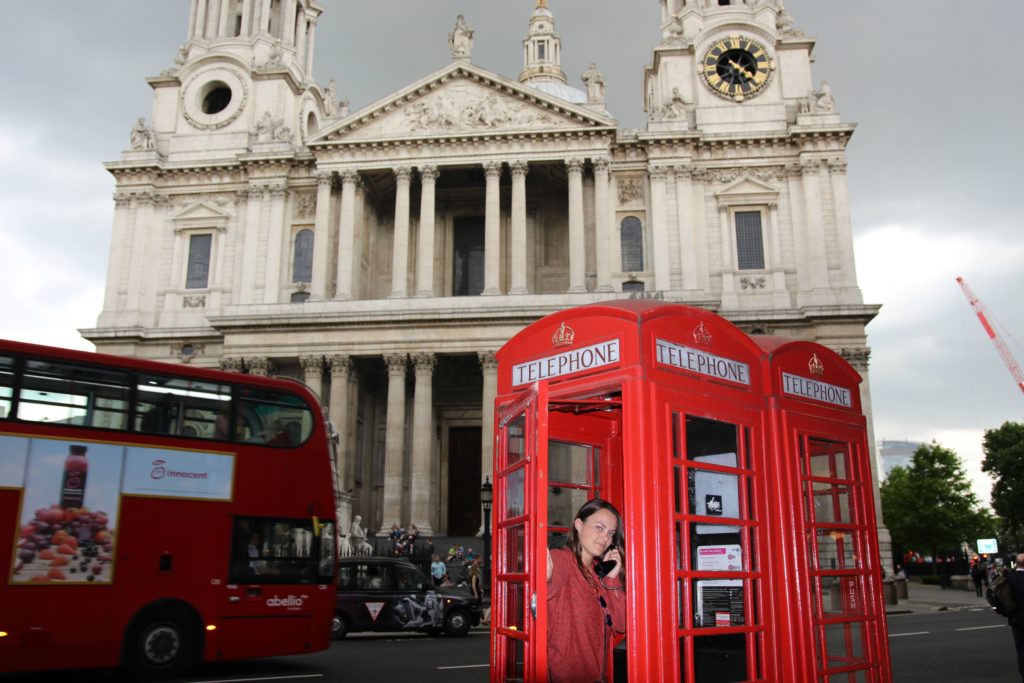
[
  {"x": 519, "y": 642},
  {"x": 846, "y": 611}
]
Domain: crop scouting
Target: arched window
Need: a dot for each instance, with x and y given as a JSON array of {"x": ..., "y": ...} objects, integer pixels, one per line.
[
  {"x": 632, "y": 244},
  {"x": 302, "y": 265},
  {"x": 632, "y": 286}
]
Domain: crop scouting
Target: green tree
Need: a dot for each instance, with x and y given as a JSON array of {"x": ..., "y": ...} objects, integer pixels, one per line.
[
  {"x": 1004, "y": 462},
  {"x": 929, "y": 506}
]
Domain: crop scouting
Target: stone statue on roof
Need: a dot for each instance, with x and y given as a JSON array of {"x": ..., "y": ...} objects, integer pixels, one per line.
[{"x": 460, "y": 40}]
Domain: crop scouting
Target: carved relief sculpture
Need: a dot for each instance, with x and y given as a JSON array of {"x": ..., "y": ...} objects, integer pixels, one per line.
[
  {"x": 630, "y": 190},
  {"x": 461, "y": 107},
  {"x": 270, "y": 129}
]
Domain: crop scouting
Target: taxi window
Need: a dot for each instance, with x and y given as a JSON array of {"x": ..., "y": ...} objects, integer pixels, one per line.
[
  {"x": 409, "y": 578},
  {"x": 373, "y": 577}
]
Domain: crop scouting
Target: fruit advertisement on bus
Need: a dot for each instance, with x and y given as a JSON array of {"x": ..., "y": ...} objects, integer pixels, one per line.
[
  {"x": 68, "y": 521},
  {"x": 71, "y": 494}
]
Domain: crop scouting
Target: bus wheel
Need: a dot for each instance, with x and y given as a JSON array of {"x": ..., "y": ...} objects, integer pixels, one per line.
[{"x": 162, "y": 644}]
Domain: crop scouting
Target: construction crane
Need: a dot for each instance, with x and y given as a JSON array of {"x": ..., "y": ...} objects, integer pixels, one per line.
[{"x": 1004, "y": 351}]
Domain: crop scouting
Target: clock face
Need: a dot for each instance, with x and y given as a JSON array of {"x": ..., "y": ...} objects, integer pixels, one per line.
[{"x": 736, "y": 68}]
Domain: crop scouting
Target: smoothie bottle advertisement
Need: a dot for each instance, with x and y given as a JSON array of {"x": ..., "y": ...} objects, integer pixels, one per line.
[{"x": 69, "y": 509}]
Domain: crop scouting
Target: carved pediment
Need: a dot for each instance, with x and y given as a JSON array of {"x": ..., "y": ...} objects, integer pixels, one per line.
[
  {"x": 199, "y": 214},
  {"x": 462, "y": 100},
  {"x": 747, "y": 190}
]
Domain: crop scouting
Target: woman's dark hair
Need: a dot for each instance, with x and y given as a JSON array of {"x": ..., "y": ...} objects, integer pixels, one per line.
[{"x": 572, "y": 537}]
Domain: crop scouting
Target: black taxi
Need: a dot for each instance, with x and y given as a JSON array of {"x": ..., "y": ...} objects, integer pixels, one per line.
[{"x": 392, "y": 594}]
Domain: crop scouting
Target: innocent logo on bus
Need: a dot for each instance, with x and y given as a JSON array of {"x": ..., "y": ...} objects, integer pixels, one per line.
[
  {"x": 159, "y": 471},
  {"x": 290, "y": 602}
]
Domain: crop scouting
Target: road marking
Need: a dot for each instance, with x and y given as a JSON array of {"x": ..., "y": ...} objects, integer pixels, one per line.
[
  {"x": 267, "y": 678},
  {"x": 978, "y": 628},
  {"x": 914, "y": 633},
  {"x": 464, "y": 666}
]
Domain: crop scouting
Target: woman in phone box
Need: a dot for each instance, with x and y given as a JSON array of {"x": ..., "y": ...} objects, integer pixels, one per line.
[{"x": 586, "y": 600}]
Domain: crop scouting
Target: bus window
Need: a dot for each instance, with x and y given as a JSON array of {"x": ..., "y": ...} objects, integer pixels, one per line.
[
  {"x": 267, "y": 550},
  {"x": 62, "y": 393},
  {"x": 174, "y": 405},
  {"x": 274, "y": 418},
  {"x": 6, "y": 385}
]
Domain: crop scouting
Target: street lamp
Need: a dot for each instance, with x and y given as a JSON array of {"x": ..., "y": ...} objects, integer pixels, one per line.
[{"x": 486, "y": 497}]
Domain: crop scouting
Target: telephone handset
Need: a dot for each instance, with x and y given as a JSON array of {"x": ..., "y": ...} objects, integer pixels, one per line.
[{"x": 602, "y": 569}]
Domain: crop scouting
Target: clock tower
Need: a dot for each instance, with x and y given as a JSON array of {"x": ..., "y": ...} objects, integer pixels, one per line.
[{"x": 731, "y": 66}]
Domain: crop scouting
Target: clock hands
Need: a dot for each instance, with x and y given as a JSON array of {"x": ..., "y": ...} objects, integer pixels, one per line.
[{"x": 735, "y": 65}]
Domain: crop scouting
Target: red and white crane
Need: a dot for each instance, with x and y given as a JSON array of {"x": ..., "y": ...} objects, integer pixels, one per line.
[{"x": 1004, "y": 351}]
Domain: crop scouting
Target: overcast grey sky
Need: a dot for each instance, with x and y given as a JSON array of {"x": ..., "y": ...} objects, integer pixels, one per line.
[{"x": 932, "y": 84}]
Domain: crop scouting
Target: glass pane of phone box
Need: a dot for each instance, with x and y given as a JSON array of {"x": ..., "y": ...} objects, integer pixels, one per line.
[{"x": 716, "y": 659}]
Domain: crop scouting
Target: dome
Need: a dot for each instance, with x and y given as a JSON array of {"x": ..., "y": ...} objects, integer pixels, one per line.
[{"x": 561, "y": 91}]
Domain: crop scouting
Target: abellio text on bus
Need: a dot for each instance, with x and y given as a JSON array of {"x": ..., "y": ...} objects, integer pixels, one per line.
[{"x": 741, "y": 467}]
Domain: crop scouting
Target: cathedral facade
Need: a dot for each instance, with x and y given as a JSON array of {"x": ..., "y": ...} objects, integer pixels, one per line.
[{"x": 382, "y": 254}]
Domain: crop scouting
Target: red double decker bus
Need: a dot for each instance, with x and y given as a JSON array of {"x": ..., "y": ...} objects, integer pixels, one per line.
[{"x": 157, "y": 515}]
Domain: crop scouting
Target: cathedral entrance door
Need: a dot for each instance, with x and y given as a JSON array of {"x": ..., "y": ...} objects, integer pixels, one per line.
[
  {"x": 463, "y": 481},
  {"x": 468, "y": 256}
]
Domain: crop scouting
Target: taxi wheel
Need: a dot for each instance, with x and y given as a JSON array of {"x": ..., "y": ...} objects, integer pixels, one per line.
[
  {"x": 339, "y": 627},
  {"x": 456, "y": 623}
]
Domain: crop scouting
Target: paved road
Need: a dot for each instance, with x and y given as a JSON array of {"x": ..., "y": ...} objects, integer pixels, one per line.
[
  {"x": 972, "y": 644},
  {"x": 965, "y": 644}
]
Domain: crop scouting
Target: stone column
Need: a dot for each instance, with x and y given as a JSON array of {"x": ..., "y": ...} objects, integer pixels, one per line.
[
  {"x": 489, "y": 365},
  {"x": 264, "y": 17},
  {"x": 422, "y": 491},
  {"x": 119, "y": 261},
  {"x": 800, "y": 247},
  {"x": 394, "y": 443},
  {"x": 210, "y": 26},
  {"x": 604, "y": 223},
  {"x": 288, "y": 23},
  {"x": 844, "y": 230},
  {"x": 300, "y": 35},
  {"x": 518, "y": 260},
  {"x": 310, "y": 41},
  {"x": 400, "y": 246},
  {"x": 425, "y": 245},
  {"x": 577, "y": 237},
  {"x": 346, "y": 235},
  {"x": 276, "y": 247},
  {"x": 492, "y": 229},
  {"x": 338, "y": 412},
  {"x": 687, "y": 232},
  {"x": 817, "y": 262},
  {"x": 226, "y": 16},
  {"x": 659, "y": 229},
  {"x": 141, "y": 221},
  {"x": 780, "y": 293},
  {"x": 197, "y": 7},
  {"x": 247, "y": 18},
  {"x": 313, "y": 373},
  {"x": 727, "y": 238},
  {"x": 321, "y": 236}
]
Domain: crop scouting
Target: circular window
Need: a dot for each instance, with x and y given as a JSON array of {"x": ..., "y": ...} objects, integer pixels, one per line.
[
  {"x": 213, "y": 97},
  {"x": 216, "y": 97}
]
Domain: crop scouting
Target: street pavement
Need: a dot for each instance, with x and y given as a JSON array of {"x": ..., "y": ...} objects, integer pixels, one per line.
[{"x": 924, "y": 598}]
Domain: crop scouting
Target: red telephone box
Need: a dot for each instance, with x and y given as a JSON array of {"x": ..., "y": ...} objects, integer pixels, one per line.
[
  {"x": 671, "y": 413},
  {"x": 820, "y": 434}
]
